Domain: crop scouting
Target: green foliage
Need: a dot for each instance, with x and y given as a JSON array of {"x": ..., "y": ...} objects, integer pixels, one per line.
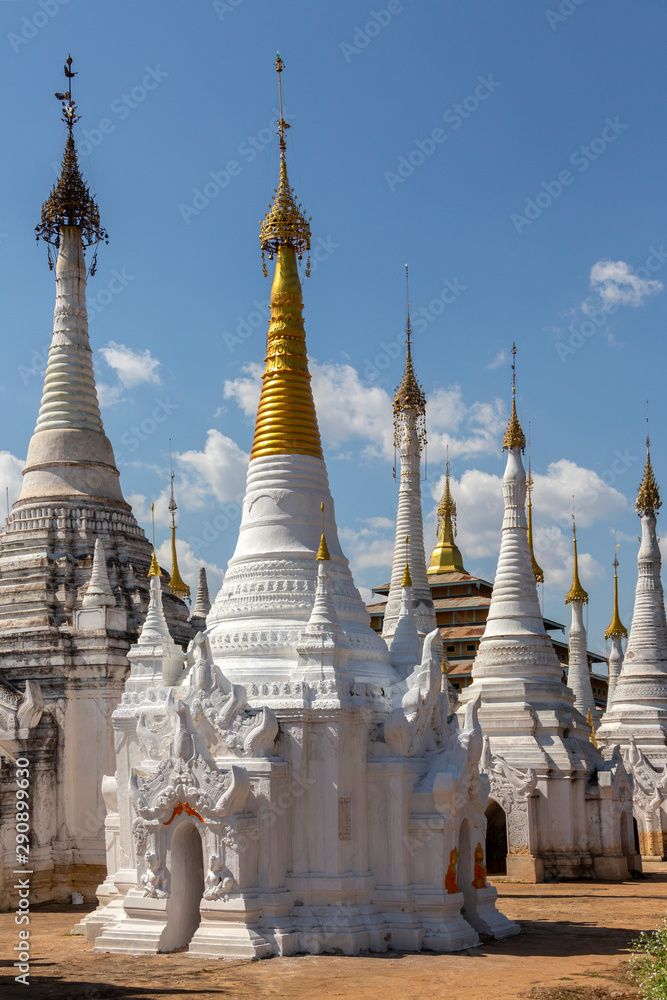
[{"x": 648, "y": 964}]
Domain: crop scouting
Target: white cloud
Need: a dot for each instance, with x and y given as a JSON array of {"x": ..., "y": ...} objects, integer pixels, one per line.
[
  {"x": 188, "y": 566},
  {"x": 132, "y": 367},
  {"x": 217, "y": 473},
  {"x": 617, "y": 284},
  {"x": 479, "y": 500},
  {"x": 11, "y": 477},
  {"x": 499, "y": 360},
  {"x": 109, "y": 395},
  {"x": 370, "y": 547}
]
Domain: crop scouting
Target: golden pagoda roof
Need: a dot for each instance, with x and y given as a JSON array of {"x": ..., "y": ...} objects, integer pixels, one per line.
[
  {"x": 446, "y": 557},
  {"x": 616, "y": 628},
  {"x": 576, "y": 592},
  {"x": 70, "y": 202},
  {"x": 286, "y": 419}
]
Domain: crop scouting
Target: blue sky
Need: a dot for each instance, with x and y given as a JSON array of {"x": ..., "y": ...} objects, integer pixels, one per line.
[{"x": 512, "y": 153}]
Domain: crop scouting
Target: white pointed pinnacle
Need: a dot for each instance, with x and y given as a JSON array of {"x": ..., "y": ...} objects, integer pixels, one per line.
[
  {"x": 406, "y": 647},
  {"x": 323, "y": 617},
  {"x": 99, "y": 592},
  {"x": 155, "y": 628}
]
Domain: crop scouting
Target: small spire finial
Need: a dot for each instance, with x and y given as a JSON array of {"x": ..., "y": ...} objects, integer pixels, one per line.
[
  {"x": 154, "y": 569},
  {"x": 173, "y": 506},
  {"x": 409, "y": 396},
  {"x": 538, "y": 572},
  {"x": 407, "y": 579},
  {"x": 616, "y": 628},
  {"x": 591, "y": 725},
  {"x": 282, "y": 124},
  {"x": 176, "y": 582},
  {"x": 323, "y": 552},
  {"x": 514, "y": 436},
  {"x": 577, "y": 592}
]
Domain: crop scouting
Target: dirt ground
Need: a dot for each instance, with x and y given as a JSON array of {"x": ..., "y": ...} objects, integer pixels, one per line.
[{"x": 573, "y": 946}]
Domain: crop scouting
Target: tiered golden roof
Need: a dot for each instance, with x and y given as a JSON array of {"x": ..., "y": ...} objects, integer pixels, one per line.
[
  {"x": 286, "y": 420},
  {"x": 576, "y": 592},
  {"x": 616, "y": 628},
  {"x": 446, "y": 557},
  {"x": 514, "y": 436},
  {"x": 70, "y": 202}
]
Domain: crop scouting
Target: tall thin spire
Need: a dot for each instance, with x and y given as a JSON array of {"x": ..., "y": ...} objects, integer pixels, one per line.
[
  {"x": 538, "y": 572},
  {"x": 286, "y": 420},
  {"x": 154, "y": 568},
  {"x": 409, "y": 439},
  {"x": 446, "y": 557},
  {"x": 576, "y": 592},
  {"x": 616, "y": 632},
  {"x": 176, "y": 583},
  {"x": 514, "y": 436}
]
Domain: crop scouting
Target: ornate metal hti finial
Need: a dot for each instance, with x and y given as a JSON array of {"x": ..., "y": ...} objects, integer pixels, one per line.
[
  {"x": 616, "y": 628},
  {"x": 176, "y": 582},
  {"x": 409, "y": 398},
  {"x": 70, "y": 202},
  {"x": 285, "y": 224},
  {"x": 407, "y": 579},
  {"x": 323, "y": 552},
  {"x": 154, "y": 569},
  {"x": 538, "y": 572},
  {"x": 648, "y": 498},
  {"x": 514, "y": 436}
]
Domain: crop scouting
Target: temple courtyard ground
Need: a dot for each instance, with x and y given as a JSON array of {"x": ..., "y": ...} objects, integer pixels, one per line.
[{"x": 574, "y": 946}]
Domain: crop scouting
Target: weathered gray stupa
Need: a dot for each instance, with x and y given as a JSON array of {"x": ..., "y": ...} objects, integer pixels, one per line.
[{"x": 73, "y": 581}]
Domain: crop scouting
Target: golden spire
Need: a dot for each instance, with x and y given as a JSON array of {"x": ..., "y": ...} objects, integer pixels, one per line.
[
  {"x": 514, "y": 436},
  {"x": 446, "y": 557},
  {"x": 323, "y": 551},
  {"x": 648, "y": 498},
  {"x": 577, "y": 592},
  {"x": 70, "y": 202},
  {"x": 154, "y": 569},
  {"x": 178, "y": 586},
  {"x": 616, "y": 628},
  {"x": 407, "y": 579},
  {"x": 286, "y": 420},
  {"x": 538, "y": 572},
  {"x": 409, "y": 396}
]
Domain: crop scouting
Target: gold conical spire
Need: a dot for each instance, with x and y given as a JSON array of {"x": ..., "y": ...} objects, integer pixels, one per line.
[
  {"x": 178, "y": 586},
  {"x": 446, "y": 557},
  {"x": 648, "y": 498},
  {"x": 323, "y": 552},
  {"x": 577, "y": 592},
  {"x": 514, "y": 436},
  {"x": 70, "y": 202},
  {"x": 409, "y": 396},
  {"x": 591, "y": 725},
  {"x": 538, "y": 572},
  {"x": 616, "y": 627},
  {"x": 286, "y": 420},
  {"x": 154, "y": 568},
  {"x": 407, "y": 579}
]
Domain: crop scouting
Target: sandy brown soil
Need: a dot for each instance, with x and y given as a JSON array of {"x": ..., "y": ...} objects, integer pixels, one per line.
[{"x": 574, "y": 946}]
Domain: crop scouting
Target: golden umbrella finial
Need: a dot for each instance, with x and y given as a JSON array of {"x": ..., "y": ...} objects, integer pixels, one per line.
[
  {"x": 323, "y": 551},
  {"x": 154, "y": 569},
  {"x": 407, "y": 579}
]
